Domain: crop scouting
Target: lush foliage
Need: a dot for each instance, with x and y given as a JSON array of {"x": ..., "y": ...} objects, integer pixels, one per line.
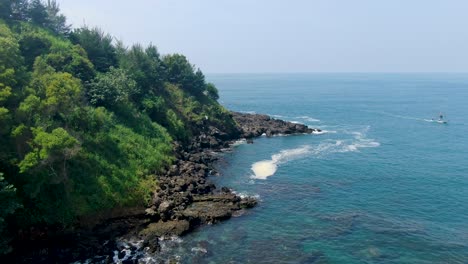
[
  {"x": 98, "y": 46},
  {"x": 45, "y": 14},
  {"x": 9, "y": 204},
  {"x": 87, "y": 124}
]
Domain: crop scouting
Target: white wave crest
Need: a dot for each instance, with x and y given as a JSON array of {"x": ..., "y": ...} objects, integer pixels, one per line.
[
  {"x": 321, "y": 132},
  {"x": 239, "y": 142}
]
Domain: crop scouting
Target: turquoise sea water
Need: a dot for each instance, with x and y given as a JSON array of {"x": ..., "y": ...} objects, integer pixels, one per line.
[{"x": 383, "y": 185}]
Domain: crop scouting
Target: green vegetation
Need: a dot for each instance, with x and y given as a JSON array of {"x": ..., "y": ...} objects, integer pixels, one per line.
[{"x": 86, "y": 125}]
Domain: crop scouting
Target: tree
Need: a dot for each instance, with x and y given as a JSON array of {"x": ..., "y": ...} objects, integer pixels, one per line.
[
  {"x": 53, "y": 96},
  {"x": 56, "y": 21},
  {"x": 62, "y": 92},
  {"x": 33, "y": 44},
  {"x": 144, "y": 65},
  {"x": 71, "y": 59},
  {"x": 112, "y": 88},
  {"x": 50, "y": 151},
  {"x": 5, "y": 9},
  {"x": 10, "y": 70},
  {"x": 19, "y": 9},
  {"x": 98, "y": 46},
  {"x": 212, "y": 91},
  {"x": 10, "y": 59},
  {"x": 180, "y": 71},
  {"x": 14, "y": 9},
  {"x": 37, "y": 13}
]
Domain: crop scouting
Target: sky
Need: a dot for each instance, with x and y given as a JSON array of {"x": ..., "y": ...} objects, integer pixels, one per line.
[{"x": 270, "y": 36}]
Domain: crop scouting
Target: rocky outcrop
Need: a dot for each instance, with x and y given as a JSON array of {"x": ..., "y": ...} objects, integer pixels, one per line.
[
  {"x": 255, "y": 125},
  {"x": 187, "y": 197}
]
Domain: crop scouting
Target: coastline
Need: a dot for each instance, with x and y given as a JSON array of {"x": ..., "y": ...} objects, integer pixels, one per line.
[{"x": 185, "y": 200}]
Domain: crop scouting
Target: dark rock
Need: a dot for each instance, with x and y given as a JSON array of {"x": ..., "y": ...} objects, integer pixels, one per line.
[
  {"x": 129, "y": 261},
  {"x": 165, "y": 207},
  {"x": 159, "y": 229},
  {"x": 248, "y": 202},
  {"x": 254, "y": 125}
]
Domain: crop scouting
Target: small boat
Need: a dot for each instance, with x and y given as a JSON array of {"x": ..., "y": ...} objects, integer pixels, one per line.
[{"x": 441, "y": 119}]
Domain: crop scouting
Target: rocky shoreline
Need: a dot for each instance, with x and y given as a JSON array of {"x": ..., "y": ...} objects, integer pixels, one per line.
[{"x": 185, "y": 200}]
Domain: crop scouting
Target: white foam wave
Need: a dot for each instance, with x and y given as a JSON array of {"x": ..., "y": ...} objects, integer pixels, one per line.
[
  {"x": 263, "y": 169},
  {"x": 239, "y": 142},
  {"x": 246, "y": 195},
  {"x": 321, "y": 132},
  {"x": 266, "y": 168},
  {"x": 348, "y": 145},
  {"x": 362, "y": 144},
  {"x": 199, "y": 250},
  {"x": 277, "y": 116},
  {"x": 308, "y": 118},
  {"x": 290, "y": 154}
]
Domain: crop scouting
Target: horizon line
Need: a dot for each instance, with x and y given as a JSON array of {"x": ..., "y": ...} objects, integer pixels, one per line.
[{"x": 344, "y": 72}]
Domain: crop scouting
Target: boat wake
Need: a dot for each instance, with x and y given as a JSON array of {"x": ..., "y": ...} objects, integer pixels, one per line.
[{"x": 410, "y": 117}]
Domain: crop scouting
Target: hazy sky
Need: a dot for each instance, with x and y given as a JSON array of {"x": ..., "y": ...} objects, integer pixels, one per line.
[{"x": 291, "y": 36}]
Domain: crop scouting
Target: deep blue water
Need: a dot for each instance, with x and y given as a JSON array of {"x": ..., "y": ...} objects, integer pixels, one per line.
[{"x": 384, "y": 185}]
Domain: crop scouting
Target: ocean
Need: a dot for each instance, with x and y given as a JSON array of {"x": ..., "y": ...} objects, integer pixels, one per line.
[{"x": 382, "y": 184}]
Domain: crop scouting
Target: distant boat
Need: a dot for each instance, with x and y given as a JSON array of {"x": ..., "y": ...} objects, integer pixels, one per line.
[{"x": 440, "y": 120}]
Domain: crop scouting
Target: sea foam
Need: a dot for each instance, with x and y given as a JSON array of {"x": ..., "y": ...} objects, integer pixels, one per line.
[
  {"x": 321, "y": 132},
  {"x": 266, "y": 168},
  {"x": 308, "y": 118}
]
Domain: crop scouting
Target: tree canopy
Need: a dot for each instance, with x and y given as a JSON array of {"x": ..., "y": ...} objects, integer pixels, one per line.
[{"x": 87, "y": 124}]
